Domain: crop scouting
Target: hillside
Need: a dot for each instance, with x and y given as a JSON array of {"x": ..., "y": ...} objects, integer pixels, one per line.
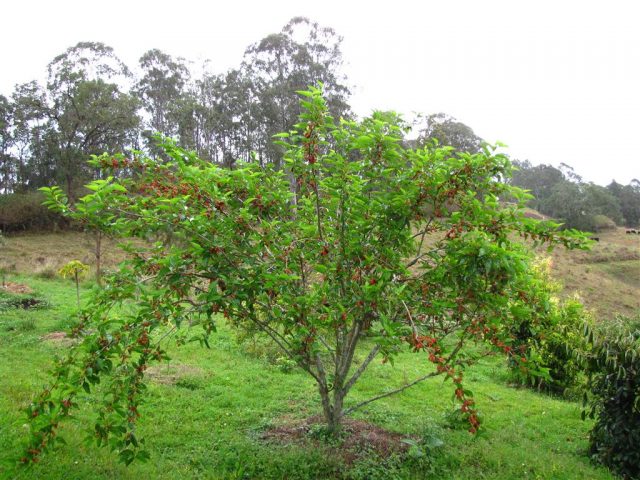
[{"x": 607, "y": 278}]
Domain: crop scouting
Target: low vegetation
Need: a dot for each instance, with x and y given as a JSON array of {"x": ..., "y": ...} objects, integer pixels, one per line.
[
  {"x": 205, "y": 420},
  {"x": 528, "y": 434}
]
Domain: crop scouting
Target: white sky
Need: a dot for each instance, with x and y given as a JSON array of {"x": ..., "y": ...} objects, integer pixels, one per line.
[{"x": 558, "y": 81}]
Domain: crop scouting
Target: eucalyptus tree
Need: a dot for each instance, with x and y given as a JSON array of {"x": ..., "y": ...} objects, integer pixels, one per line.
[
  {"x": 7, "y": 160},
  {"x": 87, "y": 110},
  {"x": 628, "y": 197},
  {"x": 81, "y": 110},
  {"x": 449, "y": 131},
  {"x": 280, "y": 64},
  {"x": 539, "y": 179},
  {"x": 600, "y": 201},
  {"x": 162, "y": 88},
  {"x": 226, "y": 120},
  {"x": 33, "y": 138}
]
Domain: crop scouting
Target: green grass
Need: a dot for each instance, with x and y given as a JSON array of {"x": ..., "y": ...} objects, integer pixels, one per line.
[
  {"x": 626, "y": 271},
  {"x": 205, "y": 411}
]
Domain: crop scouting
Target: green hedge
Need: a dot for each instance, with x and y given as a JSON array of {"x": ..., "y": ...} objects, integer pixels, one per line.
[{"x": 614, "y": 368}]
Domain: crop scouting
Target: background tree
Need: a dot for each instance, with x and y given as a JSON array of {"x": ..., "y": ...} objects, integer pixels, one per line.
[
  {"x": 90, "y": 118},
  {"x": 348, "y": 262},
  {"x": 448, "y": 131},
  {"x": 86, "y": 113},
  {"x": 302, "y": 54},
  {"x": 222, "y": 118},
  {"x": 600, "y": 201},
  {"x": 32, "y": 138},
  {"x": 562, "y": 194},
  {"x": 162, "y": 88},
  {"x": 628, "y": 197},
  {"x": 566, "y": 203},
  {"x": 7, "y": 161},
  {"x": 538, "y": 179},
  {"x": 569, "y": 173}
]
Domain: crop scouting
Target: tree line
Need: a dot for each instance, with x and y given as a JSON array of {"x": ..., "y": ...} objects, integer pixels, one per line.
[
  {"x": 92, "y": 102},
  {"x": 562, "y": 194}
]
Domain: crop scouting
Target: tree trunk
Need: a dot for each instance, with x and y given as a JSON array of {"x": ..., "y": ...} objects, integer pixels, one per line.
[
  {"x": 98, "y": 253},
  {"x": 77, "y": 288},
  {"x": 332, "y": 410},
  {"x": 69, "y": 180}
]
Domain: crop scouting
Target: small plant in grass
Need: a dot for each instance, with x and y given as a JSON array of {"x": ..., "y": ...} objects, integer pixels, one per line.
[
  {"x": 319, "y": 256},
  {"x": 77, "y": 270}
]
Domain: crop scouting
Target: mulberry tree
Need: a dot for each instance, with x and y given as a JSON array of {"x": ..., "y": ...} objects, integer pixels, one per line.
[{"x": 356, "y": 237}]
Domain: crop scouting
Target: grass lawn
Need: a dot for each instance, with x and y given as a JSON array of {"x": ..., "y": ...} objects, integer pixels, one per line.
[{"x": 207, "y": 409}]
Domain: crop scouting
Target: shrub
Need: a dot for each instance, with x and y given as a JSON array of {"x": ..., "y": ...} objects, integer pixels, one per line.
[
  {"x": 24, "y": 211},
  {"x": 550, "y": 334},
  {"x": 46, "y": 273},
  {"x": 10, "y": 300},
  {"x": 614, "y": 381},
  {"x": 602, "y": 222}
]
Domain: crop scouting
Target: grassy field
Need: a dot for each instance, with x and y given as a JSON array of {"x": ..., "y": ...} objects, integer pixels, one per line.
[
  {"x": 211, "y": 413},
  {"x": 607, "y": 278}
]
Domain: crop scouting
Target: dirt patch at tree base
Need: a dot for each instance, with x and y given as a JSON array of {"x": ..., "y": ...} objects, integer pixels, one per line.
[
  {"x": 16, "y": 287},
  {"x": 357, "y": 438}
]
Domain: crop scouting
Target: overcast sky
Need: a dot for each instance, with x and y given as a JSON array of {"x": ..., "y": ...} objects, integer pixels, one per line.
[{"x": 556, "y": 81}]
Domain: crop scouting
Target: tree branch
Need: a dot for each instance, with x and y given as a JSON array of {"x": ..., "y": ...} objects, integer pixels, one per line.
[
  {"x": 354, "y": 378},
  {"x": 388, "y": 394}
]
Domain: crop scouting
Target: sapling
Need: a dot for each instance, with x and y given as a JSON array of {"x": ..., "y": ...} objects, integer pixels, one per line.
[{"x": 76, "y": 270}]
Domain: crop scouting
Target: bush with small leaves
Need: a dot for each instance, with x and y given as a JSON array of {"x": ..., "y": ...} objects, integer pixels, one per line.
[
  {"x": 549, "y": 333},
  {"x": 24, "y": 211}
]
